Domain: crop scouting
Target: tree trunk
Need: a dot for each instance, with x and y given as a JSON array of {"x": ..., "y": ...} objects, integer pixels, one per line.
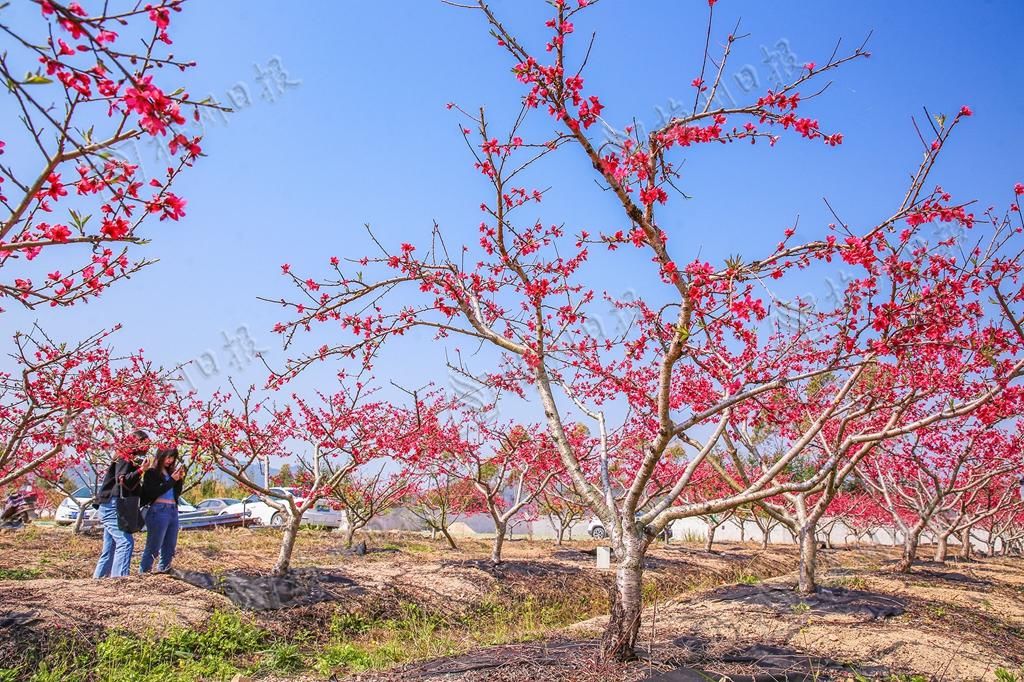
[
  {"x": 284, "y": 557},
  {"x": 711, "y": 538},
  {"x": 350, "y": 534},
  {"x": 808, "y": 560},
  {"x": 561, "y": 533},
  {"x": 965, "y": 542},
  {"x": 941, "y": 549},
  {"x": 499, "y": 540},
  {"x": 743, "y": 531},
  {"x": 80, "y": 520},
  {"x": 449, "y": 538},
  {"x": 618, "y": 642},
  {"x": 910, "y": 540},
  {"x": 764, "y": 539}
]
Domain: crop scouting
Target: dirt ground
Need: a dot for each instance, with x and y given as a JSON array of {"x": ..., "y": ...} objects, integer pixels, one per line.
[
  {"x": 729, "y": 612},
  {"x": 960, "y": 621}
]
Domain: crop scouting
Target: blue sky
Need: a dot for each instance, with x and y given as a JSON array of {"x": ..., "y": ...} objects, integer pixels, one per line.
[{"x": 361, "y": 135}]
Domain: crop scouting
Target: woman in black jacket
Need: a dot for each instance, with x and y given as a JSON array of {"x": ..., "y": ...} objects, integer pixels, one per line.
[
  {"x": 123, "y": 477},
  {"x": 161, "y": 489}
]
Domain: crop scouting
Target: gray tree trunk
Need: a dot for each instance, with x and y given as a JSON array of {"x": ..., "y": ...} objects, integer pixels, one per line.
[
  {"x": 808, "y": 560},
  {"x": 350, "y": 534},
  {"x": 618, "y": 643},
  {"x": 941, "y": 548},
  {"x": 80, "y": 521},
  {"x": 911, "y": 538},
  {"x": 965, "y": 541},
  {"x": 284, "y": 556},
  {"x": 499, "y": 541},
  {"x": 449, "y": 538}
]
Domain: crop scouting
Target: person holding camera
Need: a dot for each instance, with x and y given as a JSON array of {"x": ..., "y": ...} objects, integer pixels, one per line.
[{"x": 161, "y": 489}]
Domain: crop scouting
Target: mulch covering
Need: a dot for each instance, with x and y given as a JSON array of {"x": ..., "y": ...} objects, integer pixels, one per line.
[
  {"x": 18, "y": 619},
  {"x": 761, "y": 662},
  {"x": 784, "y": 599},
  {"x": 492, "y": 658},
  {"x": 261, "y": 592},
  {"x": 567, "y": 660}
]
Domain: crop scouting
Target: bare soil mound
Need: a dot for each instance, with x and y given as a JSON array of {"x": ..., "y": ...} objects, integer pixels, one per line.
[{"x": 139, "y": 603}]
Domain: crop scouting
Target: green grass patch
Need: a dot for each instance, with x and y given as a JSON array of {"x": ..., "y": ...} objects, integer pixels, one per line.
[
  {"x": 358, "y": 642},
  {"x": 19, "y": 574},
  {"x": 851, "y": 582},
  {"x": 226, "y": 645}
]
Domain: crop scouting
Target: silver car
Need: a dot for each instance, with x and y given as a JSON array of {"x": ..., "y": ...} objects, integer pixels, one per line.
[{"x": 216, "y": 504}]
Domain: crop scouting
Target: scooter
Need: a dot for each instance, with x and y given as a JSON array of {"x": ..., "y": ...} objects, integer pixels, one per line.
[{"x": 19, "y": 509}]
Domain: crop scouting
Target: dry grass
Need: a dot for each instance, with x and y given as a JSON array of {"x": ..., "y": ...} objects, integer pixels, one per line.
[
  {"x": 416, "y": 609},
  {"x": 411, "y": 599}
]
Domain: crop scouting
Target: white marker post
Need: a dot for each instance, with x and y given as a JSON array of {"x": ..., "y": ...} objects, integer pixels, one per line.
[{"x": 604, "y": 558}]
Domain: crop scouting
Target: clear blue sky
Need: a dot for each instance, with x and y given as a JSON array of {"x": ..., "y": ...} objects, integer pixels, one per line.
[{"x": 363, "y": 136}]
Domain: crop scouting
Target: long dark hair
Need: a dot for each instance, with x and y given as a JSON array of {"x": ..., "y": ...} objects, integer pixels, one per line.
[{"x": 164, "y": 453}]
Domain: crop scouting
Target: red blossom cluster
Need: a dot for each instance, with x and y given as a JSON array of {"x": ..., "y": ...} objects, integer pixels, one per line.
[
  {"x": 113, "y": 97},
  {"x": 65, "y": 397}
]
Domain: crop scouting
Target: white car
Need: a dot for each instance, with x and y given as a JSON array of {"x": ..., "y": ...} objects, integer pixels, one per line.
[
  {"x": 254, "y": 507},
  {"x": 596, "y": 529},
  {"x": 67, "y": 510},
  {"x": 216, "y": 504}
]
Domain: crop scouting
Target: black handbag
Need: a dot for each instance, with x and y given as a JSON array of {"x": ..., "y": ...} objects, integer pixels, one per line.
[{"x": 129, "y": 511}]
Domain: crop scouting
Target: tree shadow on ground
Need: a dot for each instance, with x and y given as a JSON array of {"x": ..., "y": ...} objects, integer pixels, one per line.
[
  {"x": 589, "y": 556},
  {"x": 514, "y": 568},
  {"x": 935, "y": 571}
]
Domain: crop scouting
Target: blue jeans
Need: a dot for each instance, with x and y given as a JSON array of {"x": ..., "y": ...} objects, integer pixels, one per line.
[
  {"x": 161, "y": 536},
  {"x": 116, "y": 556}
]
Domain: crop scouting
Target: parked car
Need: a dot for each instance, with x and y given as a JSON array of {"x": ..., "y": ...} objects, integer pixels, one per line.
[
  {"x": 597, "y": 530},
  {"x": 67, "y": 510},
  {"x": 254, "y": 507},
  {"x": 216, "y": 504}
]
